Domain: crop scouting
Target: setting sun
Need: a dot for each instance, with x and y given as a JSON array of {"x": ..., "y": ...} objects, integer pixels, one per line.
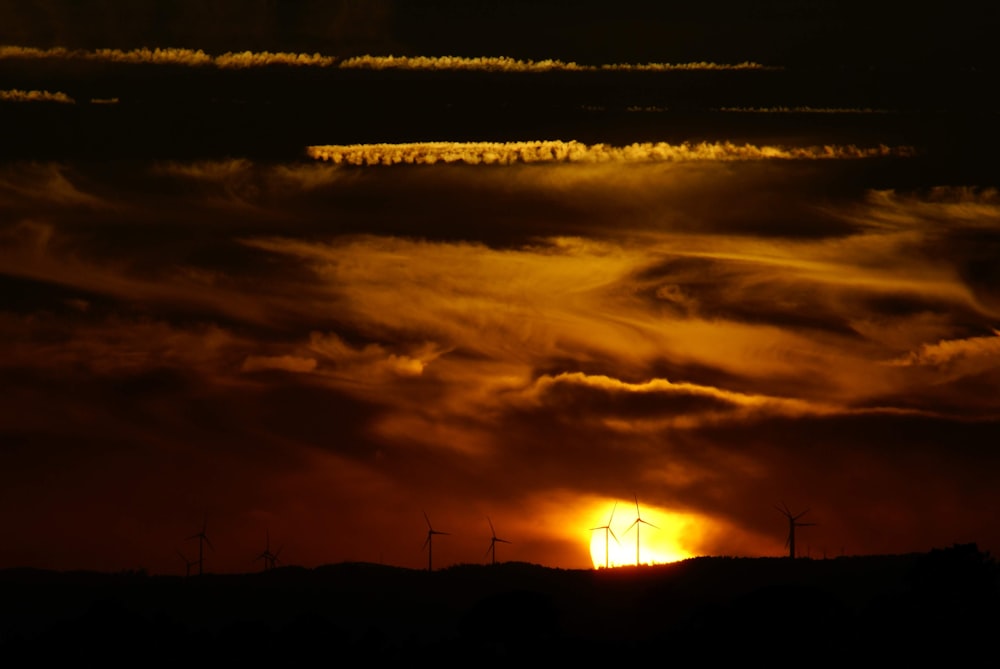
[{"x": 657, "y": 536}]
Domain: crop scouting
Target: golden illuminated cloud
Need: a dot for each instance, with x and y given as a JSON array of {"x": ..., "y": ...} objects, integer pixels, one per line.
[
  {"x": 972, "y": 352},
  {"x": 509, "y": 153},
  {"x": 171, "y": 56},
  {"x": 15, "y": 95},
  {"x": 249, "y": 59},
  {"x": 505, "y": 64}
]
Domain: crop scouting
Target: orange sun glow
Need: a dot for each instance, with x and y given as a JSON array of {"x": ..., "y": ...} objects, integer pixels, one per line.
[{"x": 660, "y": 536}]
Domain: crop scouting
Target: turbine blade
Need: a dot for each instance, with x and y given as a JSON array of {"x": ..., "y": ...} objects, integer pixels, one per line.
[
  {"x": 428, "y": 520},
  {"x": 492, "y": 531},
  {"x": 613, "y": 535},
  {"x": 612, "y": 513}
]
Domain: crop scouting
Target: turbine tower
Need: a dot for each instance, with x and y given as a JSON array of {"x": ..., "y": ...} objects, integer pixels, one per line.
[
  {"x": 187, "y": 564},
  {"x": 493, "y": 541},
  {"x": 607, "y": 530},
  {"x": 429, "y": 543},
  {"x": 636, "y": 523},
  {"x": 202, "y": 540},
  {"x": 793, "y": 522},
  {"x": 270, "y": 559}
]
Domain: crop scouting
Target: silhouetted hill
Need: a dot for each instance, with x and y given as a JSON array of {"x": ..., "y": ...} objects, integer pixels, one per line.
[{"x": 945, "y": 601}]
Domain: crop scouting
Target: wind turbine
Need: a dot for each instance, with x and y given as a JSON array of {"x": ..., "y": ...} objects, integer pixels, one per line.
[
  {"x": 269, "y": 558},
  {"x": 187, "y": 564},
  {"x": 607, "y": 529},
  {"x": 793, "y": 522},
  {"x": 636, "y": 523},
  {"x": 202, "y": 540},
  {"x": 493, "y": 541},
  {"x": 429, "y": 543}
]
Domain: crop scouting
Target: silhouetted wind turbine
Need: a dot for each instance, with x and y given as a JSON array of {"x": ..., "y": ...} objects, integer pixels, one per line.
[
  {"x": 636, "y": 523},
  {"x": 202, "y": 540},
  {"x": 607, "y": 529},
  {"x": 493, "y": 541},
  {"x": 269, "y": 558},
  {"x": 187, "y": 564},
  {"x": 429, "y": 543},
  {"x": 793, "y": 522}
]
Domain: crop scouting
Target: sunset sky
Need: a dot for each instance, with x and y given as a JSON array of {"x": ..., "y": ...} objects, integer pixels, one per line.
[{"x": 312, "y": 272}]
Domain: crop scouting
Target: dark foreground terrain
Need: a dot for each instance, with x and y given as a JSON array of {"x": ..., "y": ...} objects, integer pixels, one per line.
[{"x": 943, "y": 602}]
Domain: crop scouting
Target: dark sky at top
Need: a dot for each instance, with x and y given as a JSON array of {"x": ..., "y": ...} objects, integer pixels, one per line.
[{"x": 785, "y": 32}]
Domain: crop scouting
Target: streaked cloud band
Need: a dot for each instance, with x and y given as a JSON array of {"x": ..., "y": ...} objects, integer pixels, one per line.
[{"x": 510, "y": 153}]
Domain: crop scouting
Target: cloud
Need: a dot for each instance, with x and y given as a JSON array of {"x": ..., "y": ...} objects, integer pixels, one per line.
[
  {"x": 371, "y": 357},
  {"x": 804, "y": 110},
  {"x": 16, "y": 95},
  {"x": 117, "y": 346},
  {"x": 629, "y": 404},
  {"x": 172, "y": 56},
  {"x": 509, "y": 153},
  {"x": 287, "y": 363},
  {"x": 506, "y": 64},
  {"x": 972, "y": 352},
  {"x": 252, "y": 59}
]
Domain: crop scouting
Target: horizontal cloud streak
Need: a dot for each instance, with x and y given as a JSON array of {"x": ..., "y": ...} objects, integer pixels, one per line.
[
  {"x": 171, "y": 56},
  {"x": 504, "y": 64},
  {"x": 804, "y": 110},
  {"x": 510, "y": 153},
  {"x": 251, "y": 59},
  {"x": 16, "y": 95},
  {"x": 974, "y": 352}
]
